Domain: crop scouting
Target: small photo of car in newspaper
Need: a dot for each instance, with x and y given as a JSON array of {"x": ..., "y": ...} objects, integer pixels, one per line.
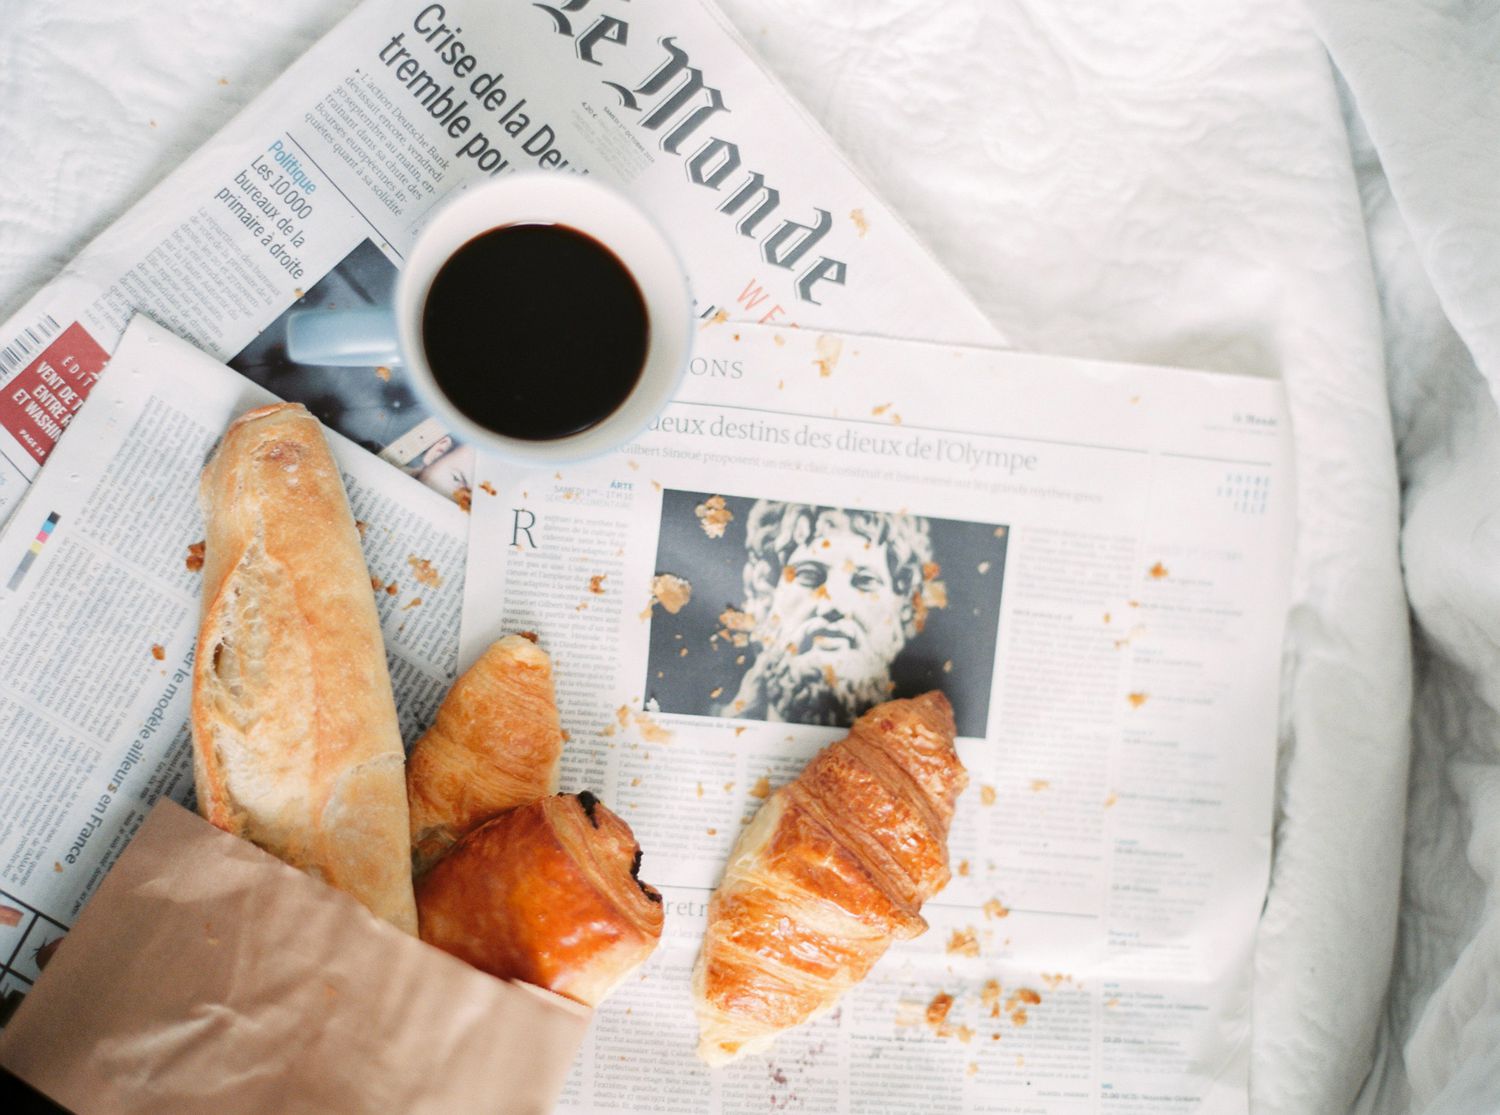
[{"x": 810, "y": 614}]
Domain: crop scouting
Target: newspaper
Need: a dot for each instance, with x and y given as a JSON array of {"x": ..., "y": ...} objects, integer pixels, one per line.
[
  {"x": 300, "y": 210},
  {"x": 99, "y": 608},
  {"x": 1092, "y": 561}
]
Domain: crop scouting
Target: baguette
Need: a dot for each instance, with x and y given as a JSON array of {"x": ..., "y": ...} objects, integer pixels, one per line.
[{"x": 295, "y": 740}]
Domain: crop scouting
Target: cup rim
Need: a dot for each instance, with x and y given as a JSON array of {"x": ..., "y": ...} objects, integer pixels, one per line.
[{"x": 599, "y": 211}]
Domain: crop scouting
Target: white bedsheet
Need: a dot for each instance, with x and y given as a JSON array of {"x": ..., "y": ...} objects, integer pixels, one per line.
[{"x": 1162, "y": 181}]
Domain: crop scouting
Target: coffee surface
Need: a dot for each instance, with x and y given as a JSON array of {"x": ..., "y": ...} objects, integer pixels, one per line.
[{"x": 535, "y": 331}]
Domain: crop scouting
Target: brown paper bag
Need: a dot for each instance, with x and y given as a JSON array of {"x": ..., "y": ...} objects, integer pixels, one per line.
[{"x": 207, "y": 976}]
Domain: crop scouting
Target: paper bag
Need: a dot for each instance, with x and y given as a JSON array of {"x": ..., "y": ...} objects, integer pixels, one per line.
[{"x": 207, "y": 976}]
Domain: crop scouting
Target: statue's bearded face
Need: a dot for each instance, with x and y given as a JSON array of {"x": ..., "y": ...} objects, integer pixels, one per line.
[{"x": 832, "y": 629}]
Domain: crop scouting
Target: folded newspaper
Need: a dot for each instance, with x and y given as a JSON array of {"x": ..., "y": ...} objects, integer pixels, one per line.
[
  {"x": 1091, "y": 561},
  {"x": 275, "y": 247}
]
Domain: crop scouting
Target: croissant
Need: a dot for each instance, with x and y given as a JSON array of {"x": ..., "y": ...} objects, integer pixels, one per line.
[
  {"x": 495, "y": 744},
  {"x": 548, "y": 893},
  {"x": 832, "y": 869}
]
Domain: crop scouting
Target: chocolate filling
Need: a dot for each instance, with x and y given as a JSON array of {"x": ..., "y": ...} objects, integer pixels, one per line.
[
  {"x": 651, "y": 893},
  {"x": 589, "y": 802}
]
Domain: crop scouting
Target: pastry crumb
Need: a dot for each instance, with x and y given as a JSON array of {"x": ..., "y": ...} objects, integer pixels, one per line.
[
  {"x": 713, "y": 516},
  {"x": 596, "y": 583},
  {"x": 989, "y": 996},
  {"x": 488, "y": 488},
  {"x": 650, "y": 730},
  {"x": 762, "y": 788},
  {"x": 671, "y": 591},
  {"x": 194, "y": 560},
  {"x": 986, "y": 795},
  {"x": 994, "y": 908},
  {"x": 158, "y": 652},
  {"x": 414, "y": 602},
  {"x": 464, "y": 497},
  {"x": 425, "y": 572},
  {"x": 829, "y": 349},
  {"x": 964, "y": 942},
  {"x": 938, "y": 1008}
]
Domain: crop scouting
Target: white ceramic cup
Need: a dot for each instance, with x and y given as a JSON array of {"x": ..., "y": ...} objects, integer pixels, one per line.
[{"x": 593, "y": 209}]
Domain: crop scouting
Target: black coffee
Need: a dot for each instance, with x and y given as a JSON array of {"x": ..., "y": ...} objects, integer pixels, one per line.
[{"x": 535, "y": 331}]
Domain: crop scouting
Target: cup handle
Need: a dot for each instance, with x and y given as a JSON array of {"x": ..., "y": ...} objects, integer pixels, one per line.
[{"x": 343, "y": 338}]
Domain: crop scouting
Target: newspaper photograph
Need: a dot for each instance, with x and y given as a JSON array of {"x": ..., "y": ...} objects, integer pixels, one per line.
[
  {"x": 1091, "y": 561},
  {"x": 99, "y": 607},
  {"x": 862, "y": 617},
  {"x": 275, "y": 247}
]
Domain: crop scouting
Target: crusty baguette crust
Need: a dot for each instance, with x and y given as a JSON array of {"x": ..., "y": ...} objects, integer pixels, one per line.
[
  {"x": 496, "y": 743},
  {"x": 833, "y": 868},
  {"x": 295, "y": 739},
  {"x": 548, "y": 894}
]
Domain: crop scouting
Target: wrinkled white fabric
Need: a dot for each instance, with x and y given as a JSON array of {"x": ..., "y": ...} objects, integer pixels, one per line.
[
  {"x": 1423, "y": 87},
  {"x": 1156, "y": 180}
]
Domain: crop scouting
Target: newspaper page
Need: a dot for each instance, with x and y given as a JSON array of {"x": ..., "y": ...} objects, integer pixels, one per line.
[
  {"x": 1091, "y": 561},
  {"x": 99, "y": 604},
  {"x": 275, "y": 248}
]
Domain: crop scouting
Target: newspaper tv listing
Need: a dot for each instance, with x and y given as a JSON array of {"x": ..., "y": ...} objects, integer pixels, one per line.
[
  {"x": 1091, "y": 561},
  {"x": 275, "y": 247},
  {"x": 99, "y": 605}
]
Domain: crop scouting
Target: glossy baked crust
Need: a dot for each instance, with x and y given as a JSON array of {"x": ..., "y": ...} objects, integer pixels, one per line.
[
  {"x": 295, "y": 740},
  {"x": 832, "y": 869},
  {"x": 496, "y": 743},
  {"x": 547, "y": 893}
]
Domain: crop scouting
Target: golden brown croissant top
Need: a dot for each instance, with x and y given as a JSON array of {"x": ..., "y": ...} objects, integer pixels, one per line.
[
  {"x": 833, "y": 868},
  {"x": 548, "y": 893},
  {"x": 496, "y": 744}
]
